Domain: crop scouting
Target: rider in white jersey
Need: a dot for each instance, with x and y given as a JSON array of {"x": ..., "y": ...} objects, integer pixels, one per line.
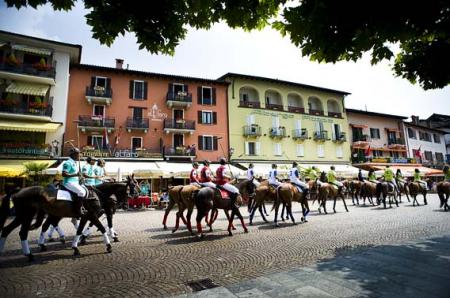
[{"x": 273, "y": 176}]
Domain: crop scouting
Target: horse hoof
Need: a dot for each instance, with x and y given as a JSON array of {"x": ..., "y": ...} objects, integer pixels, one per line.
[
  {"x": 43, "y": 247},
  {"x": 76, "y": 251},
  {"x": 266, "y": 221},
  {"x": 294, "y": 223},
  {"x": 83, "y": 240},
  {"x": 250, "y": 223},
  {"x": 174, "y": 230},
  {"x": 108, "y": 248},
  {"x": 334, "y": 211},
  {"x": 116, "y": 239},
  {"x": 30, "y": 257},
  {"x": 233, "y": 228},
  {"x": 51, "y": 240},
  {"x": 62, "y": 240},
  {"x": 245, "y": 230},
  {"x": 277, "y": 225},
  {"x": 165, "y": 227},
  {"x": 230, "y": 234}
]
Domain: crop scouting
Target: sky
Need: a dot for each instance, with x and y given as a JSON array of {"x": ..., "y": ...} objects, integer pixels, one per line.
[{"x": 210, "y": 54}]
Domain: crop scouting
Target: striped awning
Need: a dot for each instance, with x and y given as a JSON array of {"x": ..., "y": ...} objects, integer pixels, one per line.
[
  {"x": 29, "y": 126},
  {"x": 32, "y": 50},
  {"x": 27, "y": 88}
]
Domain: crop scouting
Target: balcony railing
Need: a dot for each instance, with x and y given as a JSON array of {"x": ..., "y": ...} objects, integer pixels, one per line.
[
  {"x": 296, "y": 109},
  {"x": 393, "y": 141},
  {"x": 252, "y": 131},
  {"x": 179, "y": 96},
  {"x": 272, "y": 106},
  {"x": 315, "y": 112},
  {"x": 179, "y": 124},
  {"x": 321, "y": 135},
  {"x": 34, "y": 109},
  {"x": 277, "y": 132},
  {"x": 359, "y": 138},
  {"x": 300, "y": 134},
  {"x": 94, "y": 121},
  {"x": 341, "y": 137},
  {"x": 250, "y": 104},
  {"x": 47, "y": 71},
  {"x": 98, "y": 92},
  {"x": 335, "y": 114},
  {"x": 138, "y": 123},
  {"x": 178, "y": 152}
]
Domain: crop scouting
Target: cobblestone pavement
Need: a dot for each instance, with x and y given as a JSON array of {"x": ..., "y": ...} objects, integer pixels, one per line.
[{"x": 152, "y": 262}]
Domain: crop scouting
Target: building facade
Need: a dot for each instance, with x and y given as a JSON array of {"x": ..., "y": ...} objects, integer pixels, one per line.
[
  {"x": 278, "y": 121},
  {"x": 377, "y": 138},
  {"x": 426, "y": 144},
  {"x": 441, "y": 122},
  {"x": 121, "y": 113},
  {"x": 34, "y": 83}
]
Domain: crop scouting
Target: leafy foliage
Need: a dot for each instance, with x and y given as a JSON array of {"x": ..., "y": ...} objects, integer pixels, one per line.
[
  {"x": 326, "y": 31},
  {"x": 35, "y": 170}
]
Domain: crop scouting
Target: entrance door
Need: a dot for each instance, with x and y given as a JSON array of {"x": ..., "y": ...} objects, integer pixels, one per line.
[
  {"x": 136, "y": 143},
  {"x": 178, "y": 140}
]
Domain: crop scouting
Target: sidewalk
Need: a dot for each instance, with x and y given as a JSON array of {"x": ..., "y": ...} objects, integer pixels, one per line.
[{"x": 413, "y": 269}]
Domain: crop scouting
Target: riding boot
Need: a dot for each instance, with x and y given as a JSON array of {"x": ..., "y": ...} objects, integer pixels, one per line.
[{"x": 78, "y": 208}]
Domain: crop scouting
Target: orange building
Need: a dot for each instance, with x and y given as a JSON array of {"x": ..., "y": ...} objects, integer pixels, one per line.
[{"x": 121, "y": 113}]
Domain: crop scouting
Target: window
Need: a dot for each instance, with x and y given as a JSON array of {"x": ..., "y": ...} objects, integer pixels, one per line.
[
  {"x": 336, "y": 131},
  {"x": 101, "y": 82},
  {"x": 178, "y": 89},
  {"x": 375, "y": 133},
  {"x": 252, "y": 148},
  {"x": 428, "y": 155},
  {"x": 319, "y": 126},
  {"x": 207, "y": 117},
  {"x": 320, "y": 151},
  {"x": 436, "y": 138},
  {"x": 137, "y": 113},
  {"x": 424, "y": 136},
  {"x": 207, "y": 96},
  {"x": 300, "y": 150},
  {"x": 377, "y": 153},
  {"x": 412, "y": 133},
  {"x": 277, "y": 149},
  {"x": 250, "y": 120},
  {"x": 99, "y": 111},
  {"x": 339, "y": 152},
  {"x": 138, "y": 90},
  {"x": 358, "y": 134},
  {"x": 95, "y": 141},
  {"x": 136, "y": 143},
  {"x": 208, "y": 143},
  {"x": 439, "y": 156}
]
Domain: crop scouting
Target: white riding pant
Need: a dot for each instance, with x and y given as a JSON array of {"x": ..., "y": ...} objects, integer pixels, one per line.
[
  {"x": 298, "y": 182},
  {"x": 337, "y": 183},
  {"x": 256, "y": 183},
  {"x": 230, "y": 188},
  {"x": 208, "y": 184},
  {"x": 75, "y": 187},
  {"x": 195, "y": 183},
  {"x": 274, "y": 182},
  {"x": 393, "y": 182}
]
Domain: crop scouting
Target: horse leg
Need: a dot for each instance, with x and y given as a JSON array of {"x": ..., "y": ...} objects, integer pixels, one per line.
[
  {"x": 230, "y": 222},
  {"x": 277, "y": 206},
  {"x": 188, "y": 218},
  {"x": 289, "y": 212},
  {"x": 45, "y": 226},
  {"x": 252, "y": 214},
  {"x": 198, "y": 219},
  {"x": 26, "y": 222},
  {"x": 425, "y": 198},
  {"x": 262, "y": 213},
  {"x": 239, "y": 215},
  {"x": 345, "y": 204},
  {"x": 250, "y": 203},
  {"x": 94, "y": 219},
  {"x": 179, "y": 215},
  {"x": 334, "y": 204},
  {"x": 76, "y": 239},
  {"x": 112, "y": 233},
  {"x": 264, "y": 208},
  {"x": 324, "y": 204},
  {"x": 166, "y": 213},
  {"x": 282, "y": 211},
  {"x": 7, "y": 230}
]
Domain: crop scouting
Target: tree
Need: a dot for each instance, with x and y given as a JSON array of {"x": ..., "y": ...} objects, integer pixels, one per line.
[
  {"x": 35, "y": 171},
  {"x": 326, "y": 31}
]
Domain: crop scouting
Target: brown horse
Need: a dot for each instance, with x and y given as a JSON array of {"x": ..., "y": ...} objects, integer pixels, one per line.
[
  {"x": 368, "y": 191},
  {"x": 208, "y": 199},
  {"x": 354, "y": 190},
  {"x": 402, "y": 188},
  {"x": 416, "y": 188},
  {"x": 264, "y": 192},
  {"x": 326, "y": 191},
  {"x": 386, "y": 190},
  {"x": 39, "y": 200},
  {"x": 443, "y": 190},
  {"x": 286, "y": 194}
]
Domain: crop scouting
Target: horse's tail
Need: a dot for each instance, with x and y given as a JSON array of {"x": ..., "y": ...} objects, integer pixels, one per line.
[{"x": 4, "y": 210}]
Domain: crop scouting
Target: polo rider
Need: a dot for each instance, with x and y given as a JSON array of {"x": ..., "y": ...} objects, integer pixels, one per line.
[
  {"x": 71, "y": 181},
  {"x": 331, "y": 177},
  {"x": 88, "y": 171},
  {"x": 294, "y": 177},
  {"x": 194, "y": 176},
  {"x": 251, "y": 175},
  {"x": 206, "y": 176},
  {"x": 99, "y": 171},
  {"x": 399, "y": 177},
  {"x": 372, "y": 177},
  {"x": 388, "y": 176},
  {"x": 418, "y": 179},
  {"x": 223, "y": 176},
  {"x": 313, "y": 176},
  {"x": 273, "y": 180}
]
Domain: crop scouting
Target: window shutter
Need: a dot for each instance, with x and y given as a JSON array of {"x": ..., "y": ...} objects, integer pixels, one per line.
[
  {"x": 333, "y": 132},
  {"x": 214, "y": 117},
  {"x": 213, "y": 96},
  {"x": 108, "y": 83},
  {"x": 250, "y": 119},
  {"x": 275, "y": 122},
  {"x": 246, "y": 148},
  {"x": 320, "y": 151},
  {"x": 277, "y": 149},
  {"x": 258, "y": 148},
  {"x": 145, "y": 89},
  {"x": 185, "y": 88},
  {"x": 170, "y": 88},
  {"x": 199, "y": 113},
  {"x": 89, "y": 140},
  {"x": 131, "y": 89},
  {"x": 199, "y": 95},
  {"x": 298, "y": 124},
  {"x": 215, "y": 143},
  {"x": 317, "y": 126},
  {"x": 200, "y": 142},
  {"x": 339, "y": 153},
  {"x": 300, "y": 150},
  {"x": 92, "y": 81}
]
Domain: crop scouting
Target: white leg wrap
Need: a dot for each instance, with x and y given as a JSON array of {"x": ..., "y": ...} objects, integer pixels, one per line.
[
  {"x": 41, "y": 239},
  {"x": 25, "y": 247},
  {"x": 112, "y": 233},
  {"x": 50, "y": 231},
  {"x": 60, "y": 231},
  {"x": 75, "y": 240},
  {"x": 75, "y": 223},
  {"x": 87, "y": 231},
  {"x": 2, "y": 244},
  {"x": 106, "y": 239}
]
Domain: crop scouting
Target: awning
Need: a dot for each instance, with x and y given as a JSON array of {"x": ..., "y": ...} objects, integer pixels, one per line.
[
  {"x": 358, "y": 125},
  {"x": 27, "y": 88},
  {"x": 29, "y": 126},
  {"x": 16, "y": 168},
  {"x": 409, "y": 170},
  {"x": 32, "y": 50}
]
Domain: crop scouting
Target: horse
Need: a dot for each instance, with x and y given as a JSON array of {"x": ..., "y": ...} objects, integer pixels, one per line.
[
  {"x": 207, "y": 199},
  {"x": 402, "y": 187},
  {"x": 40, "y": 200},
  {"x": 326, "y": 191},
  {"x": 386, "y": 190},
  {"x": 368, "y": 191},
  {"x": 443, "y": 190},
  {"x": 416, "y": 188},
  {"x": 262, "y": 193},
  {"x": 354, "y": 189},
  {"x": 286, "y": 194}
]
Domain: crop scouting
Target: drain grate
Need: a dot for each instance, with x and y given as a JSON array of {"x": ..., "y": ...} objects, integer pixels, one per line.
[{"x": 201, "y": 284}]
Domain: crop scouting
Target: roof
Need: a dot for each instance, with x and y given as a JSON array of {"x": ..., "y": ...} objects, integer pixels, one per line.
[
  {"x": 439, "y": 117},
  {"x": 375, "y": 114},
  {"x": 276, "y": 81},
  {"x": 424, "y": 127},
  {"x": 145, "y": 73},
  {"x": 73, "y": 49}
]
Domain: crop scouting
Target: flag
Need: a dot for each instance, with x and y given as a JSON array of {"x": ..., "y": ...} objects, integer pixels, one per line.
[
  {"x": 106, "y": 138},
  {"x": 417, "y": 152},
  {"x": 117, "y": 139},
  {"x": 367, "y": 151}
]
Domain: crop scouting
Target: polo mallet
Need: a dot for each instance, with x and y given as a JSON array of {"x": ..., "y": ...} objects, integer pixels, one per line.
[{"x": 223, "y": 152}]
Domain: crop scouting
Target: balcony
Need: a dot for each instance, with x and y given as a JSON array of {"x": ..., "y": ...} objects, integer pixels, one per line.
[
  {"x": 277, "y": 132},
  {"x": 95, "y": 123},
  {"x": 296, "y": 110},
  {"x": 360, "y": 138},
  {"x": 179, "y": 126},
  {"x": 179, "y": 152},
  {"x": 178, "y": 100},
  {"x": 249, "y": 104},
  {"x": 137, "y": 124},
  {"x": 335, "y": 114},
  {"x": 340, "y": 138},
  {"x": 321, "y": 135},
  {"x": 316, "y": 112},
  {"x": 275, "y": 107},
  {"x": 44, "y": 74},
  {"x": 99, "y": 95},
  {"x": 300, "y": 134},
  {"x": 252, "y": 131},
  {"x": 396, "y": 144},
  {"x": 26, "y": 111}
]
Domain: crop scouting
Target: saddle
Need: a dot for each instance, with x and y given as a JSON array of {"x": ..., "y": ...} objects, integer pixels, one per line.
[
  {"x": 300, "y": 189},
  {"x": 224, "y": 194}
]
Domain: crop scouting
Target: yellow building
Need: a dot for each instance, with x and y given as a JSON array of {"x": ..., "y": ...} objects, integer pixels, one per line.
[{"x": 278, "y": 121}]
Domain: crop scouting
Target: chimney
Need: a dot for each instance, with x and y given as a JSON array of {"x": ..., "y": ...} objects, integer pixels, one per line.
[{"x": 119, "y": 63}]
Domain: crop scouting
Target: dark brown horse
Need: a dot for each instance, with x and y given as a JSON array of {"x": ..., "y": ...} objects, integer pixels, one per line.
[
  {"x": 443, "y": 190},
  {"x": 264, "y": 192},
  {"x": 368, "y": 191},
  {"x": 39, "y": 200},
  {"x": 326, "y": 191},
  {"x": 416, "y": 188},
  {"x": 402, "y": 188},
  {"x": 386, "y": 190}
]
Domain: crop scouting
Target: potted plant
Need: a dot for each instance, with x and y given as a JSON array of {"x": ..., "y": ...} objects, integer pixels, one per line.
[
  {"x": 42, "y": 65},
  {"x": 10, "y": 103},
  {"x": 99, "y": 90},
  {"x": 12, "y": 61}
]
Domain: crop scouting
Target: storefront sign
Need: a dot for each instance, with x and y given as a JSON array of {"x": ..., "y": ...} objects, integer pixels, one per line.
[
  {"x": 399, "y": 160},
  {"x": 24, "y": 151},
  {"x": 120, "y": 153}
]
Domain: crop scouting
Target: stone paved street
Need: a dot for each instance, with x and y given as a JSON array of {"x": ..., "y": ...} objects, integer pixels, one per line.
[{"x": 329, "y": 255}]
